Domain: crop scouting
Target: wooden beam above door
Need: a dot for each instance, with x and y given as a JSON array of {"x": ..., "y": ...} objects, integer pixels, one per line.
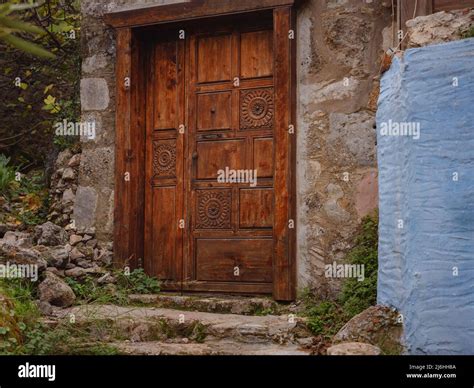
[{"x": 193, "y": 9}]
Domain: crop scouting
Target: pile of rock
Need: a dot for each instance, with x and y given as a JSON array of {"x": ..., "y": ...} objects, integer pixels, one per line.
[
  {"x": 56, "y": 248},
  {"x": 83, "y": 250},
  {"x": 59, "y": 248},
  {"x": 64, "y": 187},
  {"x": 57, "y": 253}
]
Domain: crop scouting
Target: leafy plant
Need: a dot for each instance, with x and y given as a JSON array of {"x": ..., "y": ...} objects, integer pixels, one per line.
[
  {"x": 28, "y": 198},
  {"x": 468, "y": 34},
  {"x": 88, "y": 290},
  {"x": 7, "y": 175},
  {"x": 357, "y": 296},
  {"x": 17, "y": 314},
  {"x": 9, "y": 26},
  {"x": 326, "y": 318},
  {"x": 137, "y": 282},
  {"x": 38, "y": 92}
]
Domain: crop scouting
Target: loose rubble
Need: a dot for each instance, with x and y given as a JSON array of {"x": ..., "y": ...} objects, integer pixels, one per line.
[{"x": 56, "y": 247}]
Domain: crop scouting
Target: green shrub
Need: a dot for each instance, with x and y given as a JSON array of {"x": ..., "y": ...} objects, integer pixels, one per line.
[
  {"x": 357, "y": 296},
  {"x": 468, "y": 34},
  {"x": 47, "y": 90},
  {"x": 137, "y": 282},
  {"x": 22, "y": 311},
  {"x": 88, "y": 291},
  {"x": 326, "y": 318},
  {"x": 28, "y": 197},
  {"x": 7, "y": 175}
]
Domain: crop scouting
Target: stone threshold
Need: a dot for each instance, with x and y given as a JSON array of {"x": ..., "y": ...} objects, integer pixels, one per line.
[
  {"x": 223, "y": 304},
  {"x": 141, "y": 324}
]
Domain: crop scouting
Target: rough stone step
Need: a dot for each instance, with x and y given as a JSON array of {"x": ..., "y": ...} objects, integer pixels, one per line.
[
  {"x": 209, "y": 348},
  {"x": 354, "y": 349},
  {"x": 141, "y": 324},
  {"x": 209, "y": 304}
]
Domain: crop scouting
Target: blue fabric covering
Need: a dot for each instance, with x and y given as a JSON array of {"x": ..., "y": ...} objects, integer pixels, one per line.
[{"x": 417, "y": 179}]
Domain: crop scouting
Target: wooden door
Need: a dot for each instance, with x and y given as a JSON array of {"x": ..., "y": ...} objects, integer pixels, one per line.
[
  {"x": 213, "y": 219},
  {"x": 165, "y": 159},
  {"x": 231, "y": 128}
]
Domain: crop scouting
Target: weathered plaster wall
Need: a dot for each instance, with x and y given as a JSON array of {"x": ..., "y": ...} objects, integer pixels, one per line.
[
  {"x": 425, "y": 268},
  {"x": 426, "y": 229},
  {"x": 340, "y": 43}
]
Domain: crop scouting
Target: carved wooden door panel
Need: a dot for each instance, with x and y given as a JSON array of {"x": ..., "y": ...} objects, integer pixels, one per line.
[
  {"x": 230, "y": 153},
  {"x": 164, "y": 159}
]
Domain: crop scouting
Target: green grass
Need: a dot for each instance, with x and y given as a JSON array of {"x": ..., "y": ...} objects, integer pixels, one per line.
[
  {"x": 64, "y": 339},
  {"x": 261, "y": 312},
  {"x": 23, "y": 333},
  {"x": 88, "y": 291},
  {"x": 137, "y": 282},
  {"x": 18, "y": 314}
]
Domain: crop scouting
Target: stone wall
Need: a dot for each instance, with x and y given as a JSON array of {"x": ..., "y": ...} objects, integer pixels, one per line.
[
  {"x": 63, "y": 187},
  {"x": 340, "y": 43},
  {"x": 440, "y": 27}
]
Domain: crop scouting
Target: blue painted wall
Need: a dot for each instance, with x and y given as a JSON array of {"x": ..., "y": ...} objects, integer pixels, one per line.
[{"x": 418, "y": 260}]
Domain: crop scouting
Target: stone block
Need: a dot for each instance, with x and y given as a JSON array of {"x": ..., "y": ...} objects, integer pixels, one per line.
[
  {"x": 85, "y": 207},
  {"x": 94, "y": 94}
]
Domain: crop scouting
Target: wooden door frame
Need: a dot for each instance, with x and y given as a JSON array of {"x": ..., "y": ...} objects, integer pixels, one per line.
[{"x": 131, "y": 124}]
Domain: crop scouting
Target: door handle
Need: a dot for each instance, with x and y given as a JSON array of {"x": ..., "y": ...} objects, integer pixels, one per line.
[
  {"x": 194, "y": 158},
  {"x": 211, "y": 136}
]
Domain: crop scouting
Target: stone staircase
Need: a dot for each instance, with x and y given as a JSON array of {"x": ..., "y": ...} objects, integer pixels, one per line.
[{"x": 188, "y": 325}]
